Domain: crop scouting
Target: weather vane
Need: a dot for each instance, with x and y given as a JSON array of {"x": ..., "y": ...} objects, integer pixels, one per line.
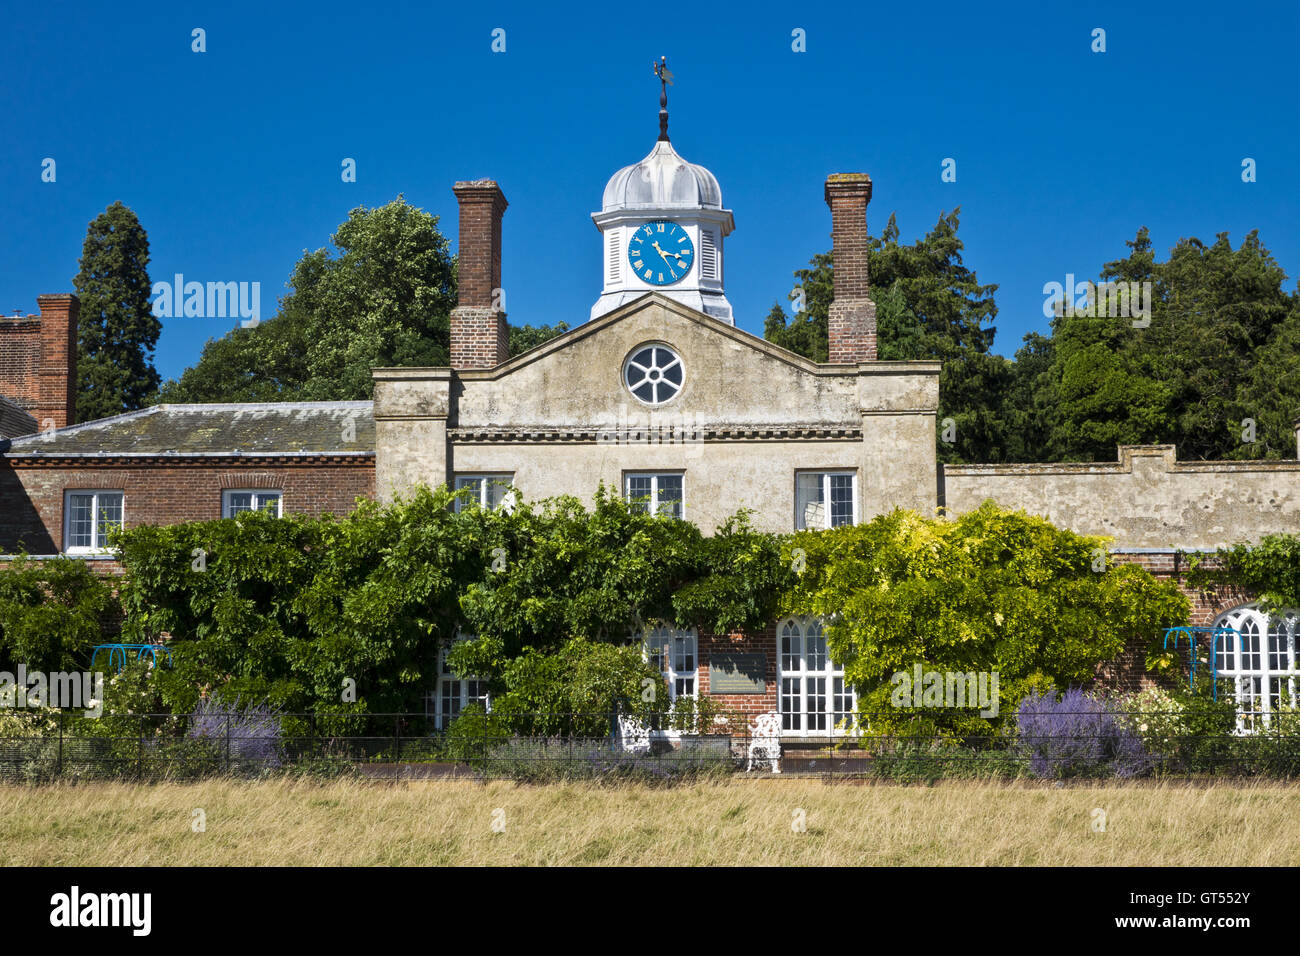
[{"x": 665, "y": 81}]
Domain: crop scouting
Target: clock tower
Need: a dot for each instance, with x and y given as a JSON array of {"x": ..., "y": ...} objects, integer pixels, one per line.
[{"x": 662, "y": 228}]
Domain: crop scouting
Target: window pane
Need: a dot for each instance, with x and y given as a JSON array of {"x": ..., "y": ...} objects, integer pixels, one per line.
[
  {"x": 237, "y": 501},
  {"x": 470, "y": 500},
  {"x": 1250, "y": 656},
  {"x": 80, "y": 515},
  {"x": 110, "y": 517},
  {"x": 841, "y": 500},
  {"x": 269, "y": 502},
  {"x": 670, "y": 496},
  {"x": 791, "y": 692},
  {"x": 497, "y": 489},
  {"x": 638, "y": 491},
  {"x": 809, "y": 511}
]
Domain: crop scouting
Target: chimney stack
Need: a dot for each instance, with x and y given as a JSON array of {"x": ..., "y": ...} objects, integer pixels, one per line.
[
  {"x": 57, "y": 380},
  {"x": 479, "y": 336},
  {"x": 852, "y": 320}
]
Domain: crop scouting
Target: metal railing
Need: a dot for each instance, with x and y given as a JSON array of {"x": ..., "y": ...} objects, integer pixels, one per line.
[{"x": 598, "y": 746}]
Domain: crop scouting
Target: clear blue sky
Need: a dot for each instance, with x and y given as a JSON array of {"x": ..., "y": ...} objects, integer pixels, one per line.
[{"x": 231, "y": 158}]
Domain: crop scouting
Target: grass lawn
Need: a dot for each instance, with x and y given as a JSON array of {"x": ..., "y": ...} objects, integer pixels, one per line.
[{"x": 737, "y": 822}]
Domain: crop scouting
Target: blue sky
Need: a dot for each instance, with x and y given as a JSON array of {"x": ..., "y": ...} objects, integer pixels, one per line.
[{"x": 231, "y": 158}]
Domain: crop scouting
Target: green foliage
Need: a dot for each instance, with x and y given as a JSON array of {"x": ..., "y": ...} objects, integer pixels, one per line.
[
  {"x": 50, "y": 614},
  {"x": 381, "y": 297},
  {"x": 289, "y": 609},
  {"x": 1270, "y": 569},
  {"x": 991, "y": 591},
  {"x": 525, "y": 337},
  {"x": 117, "y": 330},
  {"x": 1220, "y": 348}
]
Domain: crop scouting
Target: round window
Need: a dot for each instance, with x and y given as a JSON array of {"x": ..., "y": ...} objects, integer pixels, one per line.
[{"x": 653, "y": 374}]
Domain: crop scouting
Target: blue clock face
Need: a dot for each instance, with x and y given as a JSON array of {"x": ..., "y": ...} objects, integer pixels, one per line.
[{"x": 660, "y": 252}]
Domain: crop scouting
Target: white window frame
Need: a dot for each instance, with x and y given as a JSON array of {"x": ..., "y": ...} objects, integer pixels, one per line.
[
  {"x": 671, "y": 650},
  {"x": 807, "y": 698},
  {"x": 825, "y": 477},
  {"x": 1263, "y": 661},
  {"x": 654, "y": 505},
  {"x": 258, "y": 495},
  {"x": 95, "y": 493},
  {"x": 485, "y": 480},
  {"x": 452, "y": 693}
]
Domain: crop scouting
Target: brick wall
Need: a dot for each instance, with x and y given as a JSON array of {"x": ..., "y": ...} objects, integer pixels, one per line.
[
  {"x": 38, "y": 360},
  {"x": 743, "y": 642},
  {"x": 1128, "y": 671},
  {"x": 852, "y": 317},
  {"x": 479, "y": 337},
  {"x": 168, "y": 492}
]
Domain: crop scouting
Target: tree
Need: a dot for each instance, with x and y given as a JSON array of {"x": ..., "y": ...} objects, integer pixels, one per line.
[
  {"x": 928, "y": 306},
  {"x": 525, "y": 337},
  {"x": 1218, "y": 351},
  {"x": 117, "y": 330},
  {"x": 382, "y": 297}
]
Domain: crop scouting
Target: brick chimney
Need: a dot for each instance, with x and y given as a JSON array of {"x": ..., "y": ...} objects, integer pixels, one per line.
[
  {"x": 852, "y": 320},
  {"x": 479, "y": 337},
  {"x": 57, "y": 380},
  {"x": 38, "y": 361}
]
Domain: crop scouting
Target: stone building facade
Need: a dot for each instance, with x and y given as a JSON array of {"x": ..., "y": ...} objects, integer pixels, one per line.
[{"x": 657, "y": 395}]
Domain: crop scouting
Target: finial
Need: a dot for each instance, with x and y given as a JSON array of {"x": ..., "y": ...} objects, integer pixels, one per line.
[{"x": 665, "y": 81}]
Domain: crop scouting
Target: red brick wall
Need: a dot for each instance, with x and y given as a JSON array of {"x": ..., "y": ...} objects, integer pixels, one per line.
[
  {"x": 168, "y": 492},
  {"x": 38, "y": 360},
  {"x": 752, "y": 642},
  {"x": 479, "y": 338}
]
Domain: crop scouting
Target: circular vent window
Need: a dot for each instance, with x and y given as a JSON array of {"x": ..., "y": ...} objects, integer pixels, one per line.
[{"x": 653, "y": 374}]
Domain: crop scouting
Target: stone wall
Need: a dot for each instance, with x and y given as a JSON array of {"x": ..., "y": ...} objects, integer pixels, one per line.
[{"x": 1148, "y": 499}]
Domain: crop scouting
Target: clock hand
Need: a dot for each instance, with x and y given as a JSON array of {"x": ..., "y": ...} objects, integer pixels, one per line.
[{"x": 664, "y": 255}]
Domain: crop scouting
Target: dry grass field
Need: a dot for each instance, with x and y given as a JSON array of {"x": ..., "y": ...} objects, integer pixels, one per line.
[{"x": 739, "y": 822}]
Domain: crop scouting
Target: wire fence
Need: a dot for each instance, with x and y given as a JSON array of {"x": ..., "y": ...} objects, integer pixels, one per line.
[{"x": 612, "y": 745}]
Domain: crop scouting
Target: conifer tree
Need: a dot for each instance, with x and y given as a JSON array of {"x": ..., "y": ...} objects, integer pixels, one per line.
[{"x": 117, "y": 331}]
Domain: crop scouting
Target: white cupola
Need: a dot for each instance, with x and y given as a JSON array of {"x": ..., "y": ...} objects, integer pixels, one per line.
[{"x": 662, "y": 227}]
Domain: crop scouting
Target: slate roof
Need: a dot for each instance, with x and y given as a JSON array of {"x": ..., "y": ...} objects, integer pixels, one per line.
[
  {"x": 271, "y": 428},
  {"x": 14, "y": 419}
]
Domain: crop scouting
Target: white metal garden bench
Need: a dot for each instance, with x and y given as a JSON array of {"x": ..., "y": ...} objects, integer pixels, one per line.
[{"x": 765, "y": 741}]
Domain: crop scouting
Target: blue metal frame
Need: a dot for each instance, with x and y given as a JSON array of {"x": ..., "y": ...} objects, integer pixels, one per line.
[
  {"x": 118, "y": 652},
  {"x": 1191, "y": 630}
]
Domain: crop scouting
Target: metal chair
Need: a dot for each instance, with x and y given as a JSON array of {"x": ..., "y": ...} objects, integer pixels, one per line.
[{"x": 765, "y": 740}]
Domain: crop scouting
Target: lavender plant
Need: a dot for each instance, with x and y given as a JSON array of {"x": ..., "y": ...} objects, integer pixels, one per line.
[
  {"x": 253, "y": 729},
  {"x": 1077, "y": 735}
]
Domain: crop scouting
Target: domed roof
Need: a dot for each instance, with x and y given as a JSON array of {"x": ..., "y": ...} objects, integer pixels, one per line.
[{"x": 662, "y": 179}]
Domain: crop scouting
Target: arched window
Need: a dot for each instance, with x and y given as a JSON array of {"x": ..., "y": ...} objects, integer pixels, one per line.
[
  {"x": 813, "y": 698},
  {"x": 1262, "y": 662}
]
